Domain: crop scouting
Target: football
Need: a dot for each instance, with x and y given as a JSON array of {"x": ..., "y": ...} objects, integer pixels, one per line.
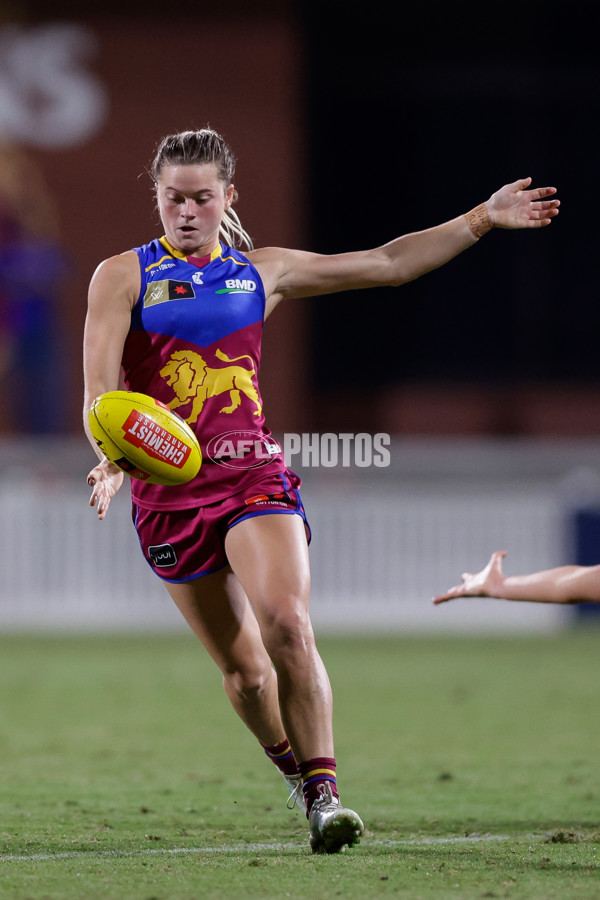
[{"x": 145, "y": 438}]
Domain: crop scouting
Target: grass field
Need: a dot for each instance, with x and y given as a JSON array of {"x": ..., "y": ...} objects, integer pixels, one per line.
[{"x": 474, "y": 763}]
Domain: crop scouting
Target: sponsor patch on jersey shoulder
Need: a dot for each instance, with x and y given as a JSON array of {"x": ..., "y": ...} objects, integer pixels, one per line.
[{"x": 166, "y": 290}]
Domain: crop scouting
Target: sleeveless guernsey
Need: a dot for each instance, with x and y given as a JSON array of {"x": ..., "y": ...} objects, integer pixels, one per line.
[{"x": 195, "y": 344}]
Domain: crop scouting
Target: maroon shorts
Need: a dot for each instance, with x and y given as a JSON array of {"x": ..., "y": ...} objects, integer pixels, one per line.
[{"x": 182, "y": 544}]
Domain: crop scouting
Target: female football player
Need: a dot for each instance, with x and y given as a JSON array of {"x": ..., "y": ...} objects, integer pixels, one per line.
[
  {"x": 564, "y": 584},
  {"x": 182, "y": 316}
]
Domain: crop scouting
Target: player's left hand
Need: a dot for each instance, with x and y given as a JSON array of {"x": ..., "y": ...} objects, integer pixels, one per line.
[{"x": 513, "y": 206}]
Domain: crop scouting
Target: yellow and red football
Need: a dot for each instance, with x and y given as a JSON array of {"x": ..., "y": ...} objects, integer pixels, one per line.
[{"x": 145, "y": 438}]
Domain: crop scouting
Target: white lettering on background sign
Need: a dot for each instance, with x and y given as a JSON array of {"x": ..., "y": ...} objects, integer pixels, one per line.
[{"x": 47, "y": 96}]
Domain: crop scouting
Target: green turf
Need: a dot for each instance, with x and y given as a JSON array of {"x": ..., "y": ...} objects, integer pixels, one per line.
[{"x": 474, "y": 763}]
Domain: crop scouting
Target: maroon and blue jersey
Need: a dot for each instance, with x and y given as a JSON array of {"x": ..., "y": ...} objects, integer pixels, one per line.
[{"x": 195, "y": 344}]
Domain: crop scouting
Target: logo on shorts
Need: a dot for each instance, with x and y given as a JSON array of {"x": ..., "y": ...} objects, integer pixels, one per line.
[
  {"x": 243, "y": 449},
  {"x": 162, "y": 555}
]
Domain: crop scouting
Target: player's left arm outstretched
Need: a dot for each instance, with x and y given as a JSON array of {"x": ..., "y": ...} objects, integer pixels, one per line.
[
  {"x": 295, "y": 273},
  {"x": 564, "y": 584}
]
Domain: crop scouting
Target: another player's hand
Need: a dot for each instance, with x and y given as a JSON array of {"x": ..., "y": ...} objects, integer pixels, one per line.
[
  {"x": 513, "y": 206},
  {"x": 487, "y": 583},
  {"x": 105, "y": 479}
]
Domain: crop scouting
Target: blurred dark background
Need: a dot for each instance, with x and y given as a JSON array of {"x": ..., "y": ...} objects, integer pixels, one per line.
[
  {"x": 350, "y": 129},
  {"x": 415, "y": 116}
]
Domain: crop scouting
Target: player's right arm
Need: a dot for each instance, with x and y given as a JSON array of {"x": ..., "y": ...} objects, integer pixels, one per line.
[
  {"x": 564, "y": 584},
  {"x": 113, "y": 292}
]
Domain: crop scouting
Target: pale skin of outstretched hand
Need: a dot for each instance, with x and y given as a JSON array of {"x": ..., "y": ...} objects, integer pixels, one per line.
[
  {"x": 564, "y": 584},
  {"x": 513, "y": 206}
]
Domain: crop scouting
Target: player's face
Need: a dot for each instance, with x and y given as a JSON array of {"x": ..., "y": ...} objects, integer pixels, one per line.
[{"x": 191, "y": 202}]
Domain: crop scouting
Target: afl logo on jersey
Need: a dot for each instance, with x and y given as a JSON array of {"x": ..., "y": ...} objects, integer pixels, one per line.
[{"x": 243, "y": 449}]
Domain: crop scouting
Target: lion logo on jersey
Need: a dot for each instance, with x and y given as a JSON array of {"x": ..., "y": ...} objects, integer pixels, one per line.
[{"x": 194, "y": 382}]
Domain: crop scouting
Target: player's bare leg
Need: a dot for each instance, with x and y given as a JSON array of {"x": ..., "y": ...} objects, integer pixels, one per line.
[
  {"x": 269, "y": 554},
  {"x": 217, "y": 610}
]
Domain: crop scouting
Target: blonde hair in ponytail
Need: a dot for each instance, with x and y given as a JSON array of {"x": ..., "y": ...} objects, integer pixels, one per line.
[{"x": 232, "y": 231}]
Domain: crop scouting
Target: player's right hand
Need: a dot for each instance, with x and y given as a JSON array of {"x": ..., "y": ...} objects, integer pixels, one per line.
[{"x": 105, "y": 479}]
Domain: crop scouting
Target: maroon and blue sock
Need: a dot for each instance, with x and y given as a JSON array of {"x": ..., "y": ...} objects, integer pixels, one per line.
[
  {"x": 282, "y": 755},
  {"x": 314, "y": 772}
]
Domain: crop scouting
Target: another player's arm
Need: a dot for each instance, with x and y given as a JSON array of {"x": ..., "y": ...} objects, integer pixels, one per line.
[
  {"x": 289, "y": 273},
  {"x": 113, "y": 292},
  {"x": 564, "y": 584}
]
